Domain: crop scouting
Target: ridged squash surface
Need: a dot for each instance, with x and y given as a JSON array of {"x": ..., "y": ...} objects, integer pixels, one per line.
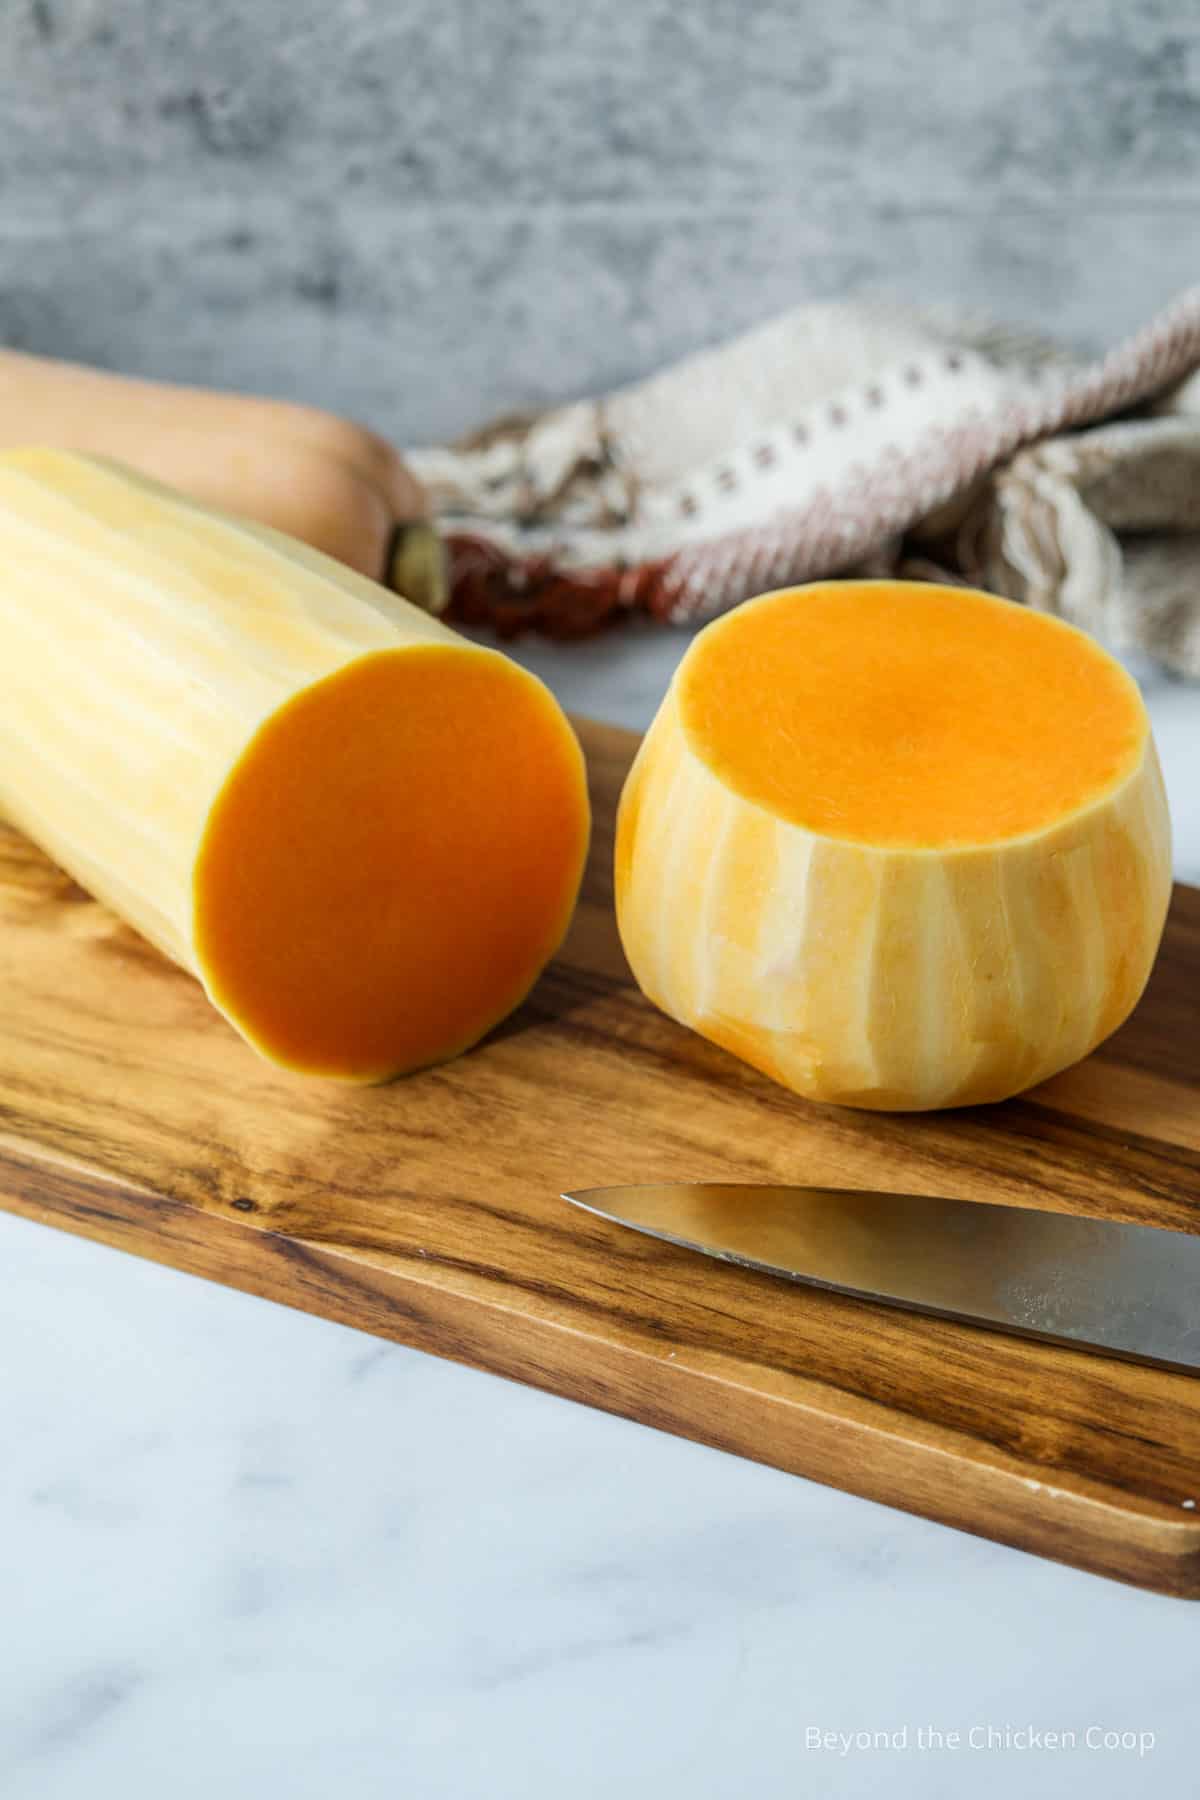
[
  {"x": 899, "y": 846},
  {"x": 362, "y": 833}
]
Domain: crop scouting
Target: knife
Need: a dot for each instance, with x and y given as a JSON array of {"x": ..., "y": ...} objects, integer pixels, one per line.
[{"x": 1131, "y": 1291}]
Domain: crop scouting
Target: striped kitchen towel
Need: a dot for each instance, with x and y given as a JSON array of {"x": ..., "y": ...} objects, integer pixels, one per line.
[{"x": 844, "y": 438}]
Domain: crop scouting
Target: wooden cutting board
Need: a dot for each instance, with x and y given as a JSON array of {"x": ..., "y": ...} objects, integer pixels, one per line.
[{"x": 428, "y": 1212}]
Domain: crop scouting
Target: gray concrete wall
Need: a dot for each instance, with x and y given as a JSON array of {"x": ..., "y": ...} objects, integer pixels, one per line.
[{"x": 422, "y": 212}]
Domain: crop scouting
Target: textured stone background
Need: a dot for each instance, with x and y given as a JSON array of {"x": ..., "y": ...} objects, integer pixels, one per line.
[{"x": 420, "y": 211}]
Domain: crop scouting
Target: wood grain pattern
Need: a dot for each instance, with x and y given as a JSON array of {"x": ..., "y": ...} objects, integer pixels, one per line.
[{"x": 428, "y": 1212}]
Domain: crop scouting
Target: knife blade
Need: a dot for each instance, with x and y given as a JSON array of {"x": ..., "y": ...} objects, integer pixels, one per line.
[{"x": 1130, "y": 1291}]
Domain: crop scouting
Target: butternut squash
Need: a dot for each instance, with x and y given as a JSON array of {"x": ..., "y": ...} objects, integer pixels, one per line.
[
  {"x": 332, "y": 484},
  {"x": 898, "y": 846},
  {"x": 363, "y": 834}
]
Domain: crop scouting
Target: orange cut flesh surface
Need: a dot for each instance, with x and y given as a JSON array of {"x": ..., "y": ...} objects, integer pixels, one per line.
[
  {"x": 391, "y": 862},
  {"x": 904, "y": 715}
]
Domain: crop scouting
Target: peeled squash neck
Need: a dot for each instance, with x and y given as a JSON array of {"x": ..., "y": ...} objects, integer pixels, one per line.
[
  {"x": 363, "y": 834},
  {"x": 899, "y": 846}
]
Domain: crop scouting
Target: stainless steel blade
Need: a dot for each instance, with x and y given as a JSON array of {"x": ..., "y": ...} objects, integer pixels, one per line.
[{"x": 1125, "y": 1290}]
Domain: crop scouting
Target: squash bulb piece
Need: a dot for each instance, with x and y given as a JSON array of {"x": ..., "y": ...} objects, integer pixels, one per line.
[{"x": 899, "y": 846}]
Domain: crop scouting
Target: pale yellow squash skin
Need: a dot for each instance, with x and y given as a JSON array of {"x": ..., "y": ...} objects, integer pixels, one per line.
[
  {"x": 893, "y": 979},
  {"x": 335, "y": 485},
  {"x": 144, "y": 641}
]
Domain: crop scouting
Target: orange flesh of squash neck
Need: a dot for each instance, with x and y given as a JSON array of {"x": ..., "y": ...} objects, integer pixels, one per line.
[
  {"x": 391, "y": 862},
  {"x": 904, "y": 715}
]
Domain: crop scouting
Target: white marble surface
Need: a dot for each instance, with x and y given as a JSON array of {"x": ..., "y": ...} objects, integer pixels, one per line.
[{"x": 246, "y": 1552}]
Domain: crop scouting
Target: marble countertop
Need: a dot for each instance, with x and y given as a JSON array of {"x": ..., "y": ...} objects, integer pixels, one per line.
[{"x": 248, "y": 1552}]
